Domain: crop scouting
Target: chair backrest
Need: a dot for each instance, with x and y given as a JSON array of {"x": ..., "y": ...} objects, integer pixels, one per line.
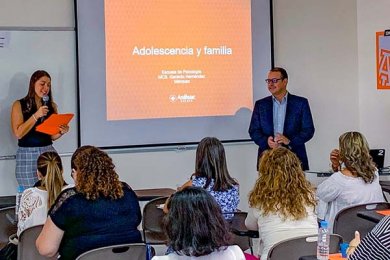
[
  {"x": 347, "y": 222},
  {"x": 8, "y": 224},
  {"x": 26, "y": 247},
  {"x": 136, "y": 251},
  {"x": 152, "y": 222},
  {"x": 238, "y": 231},
  {"x": 238, "y": 220},
  {"x": 241, "y": 235},
  {"x": 385, "y": 189},
  {"x": 294, "y": 248}
]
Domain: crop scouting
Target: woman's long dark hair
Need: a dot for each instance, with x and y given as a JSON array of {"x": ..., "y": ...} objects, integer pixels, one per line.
[
  {"x": 194, "y": 224},
  {"x": 211, "y": 164},
  {"x": 30, "y": 97}
]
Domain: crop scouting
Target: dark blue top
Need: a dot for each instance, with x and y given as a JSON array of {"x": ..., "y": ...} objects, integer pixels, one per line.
[
  {"x": 90, "y": 224},
  {"x": 33, "y": 138}
]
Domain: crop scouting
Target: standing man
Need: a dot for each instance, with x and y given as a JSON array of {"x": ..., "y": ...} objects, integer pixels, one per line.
[{"x": 282, "y": 119}]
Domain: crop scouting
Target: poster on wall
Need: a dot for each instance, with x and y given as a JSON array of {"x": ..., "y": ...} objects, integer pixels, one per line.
[{"x": 383, "y": 59}]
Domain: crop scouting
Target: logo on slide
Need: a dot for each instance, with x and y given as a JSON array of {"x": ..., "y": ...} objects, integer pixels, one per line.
[{"x": 182, "y": 98}]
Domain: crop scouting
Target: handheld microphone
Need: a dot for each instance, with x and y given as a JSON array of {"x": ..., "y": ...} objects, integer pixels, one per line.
[{"x": 45, "y": 102}]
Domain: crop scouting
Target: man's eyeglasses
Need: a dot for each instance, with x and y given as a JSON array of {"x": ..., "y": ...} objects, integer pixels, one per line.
[{"x": 274, "y": 80}]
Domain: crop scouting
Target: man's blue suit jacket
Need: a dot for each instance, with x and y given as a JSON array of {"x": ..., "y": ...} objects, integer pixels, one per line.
[{"x": 298, "y": 125}]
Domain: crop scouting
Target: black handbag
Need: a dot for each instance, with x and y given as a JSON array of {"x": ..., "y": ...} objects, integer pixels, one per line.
[{"x": 9, "y": 252}]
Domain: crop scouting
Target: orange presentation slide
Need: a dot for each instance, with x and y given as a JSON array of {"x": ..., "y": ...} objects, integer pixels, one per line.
[{"x": 176, "y": 58}]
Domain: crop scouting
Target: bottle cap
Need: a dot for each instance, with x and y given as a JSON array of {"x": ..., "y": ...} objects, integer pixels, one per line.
[{"x": 324, "y": 224}]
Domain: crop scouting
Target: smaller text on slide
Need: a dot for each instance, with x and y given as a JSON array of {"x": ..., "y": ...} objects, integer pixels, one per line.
[{"x": 181, "y": 76}]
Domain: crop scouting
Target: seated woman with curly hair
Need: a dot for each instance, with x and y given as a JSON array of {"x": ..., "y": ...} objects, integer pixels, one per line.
[
  {"x": 282, "y": 202},
  {"x": 99, "y": 211},
  {"x": 354, "y": 182},
  {"x": 196, "y": 228}
]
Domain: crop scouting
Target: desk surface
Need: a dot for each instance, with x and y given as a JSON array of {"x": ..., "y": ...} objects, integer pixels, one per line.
[
  {"x": 370, "y": 215},
  {"x": 317, "y": 177},
  {"x": 149, "y": 194},
  {"x": 336, "y": 256}
]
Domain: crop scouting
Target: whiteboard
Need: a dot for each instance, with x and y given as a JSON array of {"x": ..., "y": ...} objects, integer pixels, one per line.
[{"x": 24, "y": 52}]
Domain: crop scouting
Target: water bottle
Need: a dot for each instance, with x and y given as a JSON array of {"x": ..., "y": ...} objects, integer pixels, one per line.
[
  {"x": 323, "y": 242},
  {"x": 19, "y": 193}
]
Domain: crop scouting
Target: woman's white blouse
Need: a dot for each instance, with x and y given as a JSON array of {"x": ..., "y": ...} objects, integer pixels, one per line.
[
  {"x": 340, "y": 191},
  {"x": 32, "y": 209}
]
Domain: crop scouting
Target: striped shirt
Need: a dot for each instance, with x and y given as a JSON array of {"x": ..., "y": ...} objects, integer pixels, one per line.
[{"x": 376, "y": 245}]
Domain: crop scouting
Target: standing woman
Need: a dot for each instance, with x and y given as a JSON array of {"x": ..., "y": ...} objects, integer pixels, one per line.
[{"x": 27, "y": 113}]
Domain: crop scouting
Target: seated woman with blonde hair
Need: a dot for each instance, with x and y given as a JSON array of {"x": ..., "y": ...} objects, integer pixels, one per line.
[
  {"x": 36, "y": 201},
  {"x": 99, "y": 211},
  {"x": 355, "y": 181},
  {"x": 282, "y": 202}
]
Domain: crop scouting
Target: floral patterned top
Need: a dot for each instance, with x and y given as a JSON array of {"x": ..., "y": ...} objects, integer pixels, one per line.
[{"x": 228, "y": 199}]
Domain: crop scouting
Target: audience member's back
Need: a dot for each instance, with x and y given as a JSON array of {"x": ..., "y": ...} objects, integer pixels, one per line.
[
  {"x": 211, "y": 173},
  {"x": 196, "y": 228},
  {"x": 36, "y": 201},
  {"x": 282, "y": 202},
  {"x": 355, "y": 182},
  {"x": 99, "y": 211},
  {"x": 376, "y": 245}
]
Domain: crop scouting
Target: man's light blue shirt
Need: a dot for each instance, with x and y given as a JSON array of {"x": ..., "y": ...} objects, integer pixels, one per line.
[{"x": 279, "y": 114}]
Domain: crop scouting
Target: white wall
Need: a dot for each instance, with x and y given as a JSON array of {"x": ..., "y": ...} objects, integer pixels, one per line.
[
  {"x": 372, "y": 17},
  {"x": 317, "y": 41},
  {"x": 36, "y": 13},
  {"x": 170, "y": 169}
]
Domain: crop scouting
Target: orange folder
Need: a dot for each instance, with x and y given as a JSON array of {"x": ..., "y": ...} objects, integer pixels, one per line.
[
  {"x": 385, "y": 212},
  {"x": 52, "y": 124},
  {"x": 336, "y": 257}
]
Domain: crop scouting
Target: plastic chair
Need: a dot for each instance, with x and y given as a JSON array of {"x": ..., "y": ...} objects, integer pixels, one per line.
[
  {"x": 137, "y": 251},
  {"x": 347, "y": 222},
  {"x": 386, "y": 193},
  {"x": 152, "y": 222},
  {"x": 294, "y": 248},
  {"x": 8, "y": 224},
  {"x": 241, "y": 235},
  {"x": 26, "y": 247},
  {"x": 385, "y": 189}
]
